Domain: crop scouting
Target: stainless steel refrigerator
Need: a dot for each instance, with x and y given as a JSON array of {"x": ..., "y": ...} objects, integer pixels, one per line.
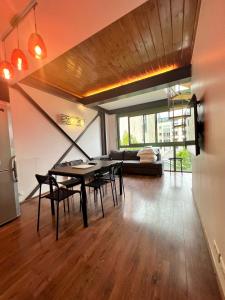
[{"x": 9, "y": 204}]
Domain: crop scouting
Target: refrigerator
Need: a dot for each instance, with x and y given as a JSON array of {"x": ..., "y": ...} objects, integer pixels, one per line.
[{"x": 9, "y": 202}]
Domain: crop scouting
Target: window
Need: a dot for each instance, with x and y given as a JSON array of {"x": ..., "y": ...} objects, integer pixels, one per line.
[
  {"x": 164, "y": 127},
  {"x": 123, "y": 131},
  {"x": 136, "y": 130},
  {"x": 186, "y": 154},
  {"x": 150, "y": 128},
  {"x": 171, "y": 131}
]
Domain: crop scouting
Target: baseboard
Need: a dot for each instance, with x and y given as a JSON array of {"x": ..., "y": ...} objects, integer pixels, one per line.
[{"x": 210, "y": 250}]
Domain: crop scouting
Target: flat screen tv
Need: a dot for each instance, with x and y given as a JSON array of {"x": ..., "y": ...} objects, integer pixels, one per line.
[{"x": 199, "y": 117}]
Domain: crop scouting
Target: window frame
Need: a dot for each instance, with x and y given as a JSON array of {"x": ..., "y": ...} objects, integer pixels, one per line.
[{"x": 173, "y": 144}]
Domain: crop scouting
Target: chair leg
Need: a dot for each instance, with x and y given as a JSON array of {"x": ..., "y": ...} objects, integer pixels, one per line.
[
  {"x": 80, "y": 202},
  {"x": 64, "y": 207},
  {"x": 39, "y": 207},
  {"x": 114, "y": 182},
  {"x": 95, "y": 196},
  {"x": 68, "y": 204},
  {"x": 101, "y": 202},
  {"x": 112, "y": 192},
  {"x": 57, "y": 221},
  {"x": 123, "y": 188}
]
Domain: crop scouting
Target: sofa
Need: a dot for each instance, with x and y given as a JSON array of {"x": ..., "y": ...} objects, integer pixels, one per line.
[{"x": 132, "y": 165}]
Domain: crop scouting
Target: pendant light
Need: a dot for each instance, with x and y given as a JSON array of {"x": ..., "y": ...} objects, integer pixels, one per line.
[
  {"x": 36, "y": 45},
  {"x": 6, "y": 68},
  {"x": 18, "y": 58}
]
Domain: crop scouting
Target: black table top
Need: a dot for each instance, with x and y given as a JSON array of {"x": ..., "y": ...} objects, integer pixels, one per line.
[{"x": 69, "y": 171}]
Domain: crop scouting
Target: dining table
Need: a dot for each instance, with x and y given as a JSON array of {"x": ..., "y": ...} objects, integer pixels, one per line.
[{"x": 83, "y": 174}]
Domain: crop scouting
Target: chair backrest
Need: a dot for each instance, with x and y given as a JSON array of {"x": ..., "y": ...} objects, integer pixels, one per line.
[
  {"x": 53, "y": 182},
  {"x": 117, "y": 168},
  {"x": 42, "y": 179},
  {"x": 63, "y": 164},
  {"x": 75, "y": 162}
]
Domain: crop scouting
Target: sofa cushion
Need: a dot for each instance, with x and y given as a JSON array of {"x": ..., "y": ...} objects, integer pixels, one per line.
[
  {"x": 116, "y": 155},
  {"x": 131, "y": 155}
]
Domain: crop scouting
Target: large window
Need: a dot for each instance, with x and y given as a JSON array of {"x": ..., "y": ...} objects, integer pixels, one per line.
[
  {"x": 137, "y": 129},
  {"x": 124, "y": 131},
  {"x": 171, "y": 131},
  {"x": 164, "y": 127},
  {"x": 150, "y": 122}
]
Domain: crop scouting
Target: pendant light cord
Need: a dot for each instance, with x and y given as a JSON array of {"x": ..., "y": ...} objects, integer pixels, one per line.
[
  {"x": 35, "y": 22},
  {"x": 18, "y": 41},
  {"x": 4, "y": 49}
]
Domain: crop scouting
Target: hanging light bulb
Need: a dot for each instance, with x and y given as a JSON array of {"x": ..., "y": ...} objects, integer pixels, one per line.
[
  {"x": 18, "y": 58},
  {"x": 6, "y": 68},
  {"x": 36, "y": 45}
]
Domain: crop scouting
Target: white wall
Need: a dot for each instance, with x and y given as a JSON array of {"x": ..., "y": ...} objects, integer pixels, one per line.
[
  {"x": 38, "y": 144},
  {"x": 111, "y": 132},
  {"x": 208, "y": 73}
]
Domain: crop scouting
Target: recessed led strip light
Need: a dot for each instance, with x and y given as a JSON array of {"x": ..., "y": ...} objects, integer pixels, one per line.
[{"x": 130, "y": 80}]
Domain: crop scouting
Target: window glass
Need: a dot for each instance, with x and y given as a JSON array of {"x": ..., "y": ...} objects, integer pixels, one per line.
[
  {"x": 150, "y": 128},
  {"x": 123, "y": 131},
  {"x": 136, "y": 130},
  {"x": 186, "y": 154},
  {"x": 190, "y": 126},
  {"x": 166, "y": 153},
  {"x": 164, "y": 127}
]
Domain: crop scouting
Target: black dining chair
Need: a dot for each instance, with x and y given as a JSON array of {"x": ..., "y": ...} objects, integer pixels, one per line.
[
  {"x": 56, "y": 195},
  {"x": 108, "y": 176},
  {"x": 117, "y": 172},
  {"x": 70, "y": 183},
  {"x": 97, "y": 184}
]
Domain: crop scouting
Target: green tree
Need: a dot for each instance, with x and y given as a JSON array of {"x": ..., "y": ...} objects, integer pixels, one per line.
[
  {"x": 186, "y": 156},
  {"x": 124, "y": 141}
]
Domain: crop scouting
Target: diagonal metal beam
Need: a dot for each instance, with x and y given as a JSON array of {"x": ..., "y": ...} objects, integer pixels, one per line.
[
  {"x": 65, "y": 153},
  {"x": 51, "y": 121}
]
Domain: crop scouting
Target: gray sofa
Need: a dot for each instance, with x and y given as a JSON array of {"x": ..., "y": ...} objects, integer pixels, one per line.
[{"x": 132, "y": 165}]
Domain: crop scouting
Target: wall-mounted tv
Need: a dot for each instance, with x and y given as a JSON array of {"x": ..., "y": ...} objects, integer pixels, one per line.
[{"x": 199, "y": 117}]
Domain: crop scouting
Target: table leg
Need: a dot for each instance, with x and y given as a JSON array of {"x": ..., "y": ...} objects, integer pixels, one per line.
[
  {"x": 52, "y": 207},
  {"x": 84, "y": 203},
  {"x": 121, "y": 181}
]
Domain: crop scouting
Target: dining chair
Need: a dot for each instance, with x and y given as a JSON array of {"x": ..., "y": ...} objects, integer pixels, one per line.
[
  {"x": 96, "y": 184},
  {"x": 70, "y": 183},
  {"x": 56, "y": 194},
  {"x": 108, "y": 176},
  {"x": 117, "y": 172}
]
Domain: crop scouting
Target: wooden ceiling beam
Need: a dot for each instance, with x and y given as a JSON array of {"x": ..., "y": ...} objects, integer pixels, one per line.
[
  {"x": 48, "y": 88},
  {"x": 146, "y": 85}
]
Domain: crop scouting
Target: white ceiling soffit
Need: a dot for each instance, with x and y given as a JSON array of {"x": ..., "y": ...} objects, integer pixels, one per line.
[{"x": 135, "y": 100}]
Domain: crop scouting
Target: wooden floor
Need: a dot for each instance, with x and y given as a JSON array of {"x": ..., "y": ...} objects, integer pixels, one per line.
[{"x": 150, "y": 247}]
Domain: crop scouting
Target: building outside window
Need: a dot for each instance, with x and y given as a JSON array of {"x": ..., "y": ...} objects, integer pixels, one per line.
[{"x": 172, "y": 132}]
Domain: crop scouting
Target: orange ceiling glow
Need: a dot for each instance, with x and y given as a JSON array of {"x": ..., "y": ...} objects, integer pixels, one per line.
[{"x": 131, "y": 80}]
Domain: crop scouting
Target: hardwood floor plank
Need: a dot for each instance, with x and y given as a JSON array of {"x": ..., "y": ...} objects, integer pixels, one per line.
[{"x": 149, "y": 247}]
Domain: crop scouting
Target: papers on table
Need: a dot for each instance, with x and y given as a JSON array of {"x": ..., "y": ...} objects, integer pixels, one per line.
[{"x": 83, "y": 166}]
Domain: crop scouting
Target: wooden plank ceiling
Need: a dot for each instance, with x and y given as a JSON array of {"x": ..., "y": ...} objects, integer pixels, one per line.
[{"x": 156, "y": 37}]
